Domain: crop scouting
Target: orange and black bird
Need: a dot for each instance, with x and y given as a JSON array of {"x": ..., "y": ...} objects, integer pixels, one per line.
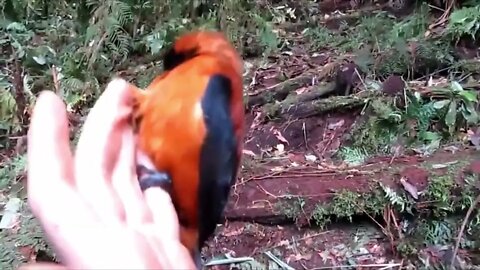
[{"x": 190, "y": 129}]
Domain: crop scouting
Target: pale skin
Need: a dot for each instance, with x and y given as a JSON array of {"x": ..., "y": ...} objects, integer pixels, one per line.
[{"x": 90, "y": 204}]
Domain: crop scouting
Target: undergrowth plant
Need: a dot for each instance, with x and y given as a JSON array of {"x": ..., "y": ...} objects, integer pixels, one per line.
[
  {"x": 75, "y": 47},
  {"x": 457, "y": 106},
  {"x": 414, "y": 120},
  {"x": 386, "y": 45},
  {"x": 464, "y": 21},
  {"x": 11, "y": 171},
  {"x": 84, "y": 43}
]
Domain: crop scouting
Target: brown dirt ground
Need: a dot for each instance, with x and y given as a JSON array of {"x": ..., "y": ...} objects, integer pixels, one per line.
[
  {"x": 253, "y": 226},
  {"x": 301, "y": 249},
  {"x": 269, "y": 174}
]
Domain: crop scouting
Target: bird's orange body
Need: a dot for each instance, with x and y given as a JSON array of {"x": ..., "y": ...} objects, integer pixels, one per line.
[{"x": 174, "y": 114}]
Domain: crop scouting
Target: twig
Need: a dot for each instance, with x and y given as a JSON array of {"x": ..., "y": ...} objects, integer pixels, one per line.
[
  {"x": 265, "y": 201},
  {"x": 56, "y": 84},
  {"x": 290, "y": 173},
  {"x": 312, "y": 236},
  {"x": 383, "y": 265},
  {"x": 386, "y": 231},
  {"x": 361, "y": 80},
  {"x": 462, "y": 228},
  {"x": 291, "y": 196},
  {"x": 443, "y": 18},
  {"x": 397, "y": 227},
  {"x": 401, "y": 265},
  {"x": 268, "y": 193},
  {"x": 92, "y": 53},
  {"x": 228, "y": 260},
  {"x": 278, "y": 261},
  {"x": 278, "y": 91},
  {"x": 20, "y": 145}
]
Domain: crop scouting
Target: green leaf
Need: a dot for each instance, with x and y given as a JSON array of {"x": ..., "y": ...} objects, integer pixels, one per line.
[
  {"x": 451, "y": 116},
  {"x": 15, "y": 26},
  {"x": 20, "y": 53},
  {"x": 471, "y": 118},
  {"x": 441, "y": 103},
  {"x": 458, "y": 16},
  {"x": 456, "y": 86},
  {"x": 430, "y": 136},
  {"x": 364, "y": 59},
  {"x": 469, "y": 26},
  {"x": 469, "y": 95},
  {"x": 469, "y": 113},
  {"x": 40, "y": 60},
  {"x": 373, "y": 85},
  {"x": 156, "y": 41},
  {"x": 433, "y": 145}
]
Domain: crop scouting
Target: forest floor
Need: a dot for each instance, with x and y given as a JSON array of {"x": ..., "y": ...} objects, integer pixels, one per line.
[
  {"x": 306, "y": 198},
  {"x": 298, "y": 200},
  {"x": 275, "y": 205},
  {"x": 292, "y": 160}
]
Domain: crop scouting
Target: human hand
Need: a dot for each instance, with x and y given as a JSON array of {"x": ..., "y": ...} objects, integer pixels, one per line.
[{"x": 90, "y": 206}]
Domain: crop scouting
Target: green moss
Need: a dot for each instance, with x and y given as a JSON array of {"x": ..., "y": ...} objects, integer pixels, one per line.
[
  {"x": 292, "y": 208},
  {"x": 272, "y": 110},
  {"x": 380, "y": 126},
  {"x": 438, "y": 196},
  {"x": 374, "y": 202},
  {"x": 433, "y": 220},
  {"x": 439, "y": 193},
  {"x": 345, "y": 204},
  {"x": 406, "y": 248},
  {"x": 321, "y": 215}
]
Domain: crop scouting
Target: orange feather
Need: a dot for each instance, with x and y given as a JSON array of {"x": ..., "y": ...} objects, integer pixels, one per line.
[{"x": 171, "y": 127}]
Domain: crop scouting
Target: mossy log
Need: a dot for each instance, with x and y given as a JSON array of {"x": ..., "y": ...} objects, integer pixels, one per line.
[
  {"x": 304, "y": 106},
  {"x": 318, "y": 195},
  {"x": 278, "y": 91}
]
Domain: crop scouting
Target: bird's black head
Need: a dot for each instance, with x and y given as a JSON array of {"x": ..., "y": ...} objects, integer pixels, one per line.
[
  {"x": 197, "y": 43},
  {"x": 174, "y": 57}
]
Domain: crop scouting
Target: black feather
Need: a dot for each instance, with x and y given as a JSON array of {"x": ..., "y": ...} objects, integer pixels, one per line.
[
  {"x": 218, "y": 160},
  {"x": 173, "y": 58}
]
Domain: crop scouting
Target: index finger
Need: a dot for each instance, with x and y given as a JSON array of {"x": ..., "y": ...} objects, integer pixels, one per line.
[{"x": 98, "y": 149}]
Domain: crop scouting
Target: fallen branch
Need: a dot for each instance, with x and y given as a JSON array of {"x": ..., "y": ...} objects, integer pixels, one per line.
[
  {"x": 272, "y": 200},
  {"x": 278, "y": 91},
  {"x": 298, "y": 109},
  {"x": 462, "y": 229},
  {"x": 360, "y": 266}
]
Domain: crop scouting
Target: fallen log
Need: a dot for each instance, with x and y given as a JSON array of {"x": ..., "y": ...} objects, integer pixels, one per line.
[
  {"x": 278, "y": 91},
  {"x": 300, "y": 107},
  {"x": 312, "y": 194},
  {"x": 282, "y": 90}
]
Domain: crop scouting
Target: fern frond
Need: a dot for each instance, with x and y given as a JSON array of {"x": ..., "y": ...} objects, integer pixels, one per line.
[
  {"x": 394, "y": 198},
  {"x": 353, "y": 156}
]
